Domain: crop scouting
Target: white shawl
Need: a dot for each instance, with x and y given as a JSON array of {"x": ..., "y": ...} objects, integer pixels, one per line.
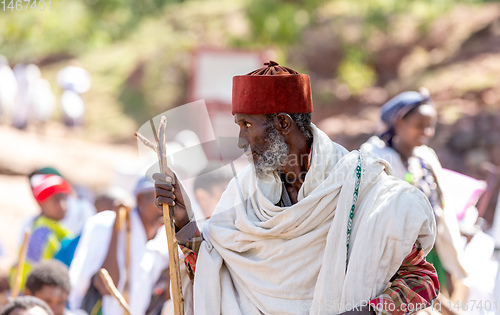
[
  {"x": 261, "y": 258},
  {"x": 449, "y": 245}
]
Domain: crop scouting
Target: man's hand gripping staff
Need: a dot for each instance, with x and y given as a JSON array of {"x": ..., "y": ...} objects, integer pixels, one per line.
[{"x": 168, "y": 218}]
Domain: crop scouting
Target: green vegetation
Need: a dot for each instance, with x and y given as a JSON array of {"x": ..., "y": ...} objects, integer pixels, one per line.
[{"x": 139, "y": 51}]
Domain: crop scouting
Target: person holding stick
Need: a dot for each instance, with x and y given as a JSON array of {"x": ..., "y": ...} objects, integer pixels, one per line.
[
  {"x": 104, "y": 245},
  {"x": 308, "y": 228}
]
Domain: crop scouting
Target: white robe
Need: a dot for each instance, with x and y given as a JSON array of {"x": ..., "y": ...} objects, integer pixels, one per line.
[
  {"x": 148, "y": 260},
  {"x": 261, "y": 258},
  {"x": 448, "y": 241}
]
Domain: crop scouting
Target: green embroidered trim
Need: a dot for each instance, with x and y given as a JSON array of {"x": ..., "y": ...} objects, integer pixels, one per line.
[{"x": 353, "y": 207}]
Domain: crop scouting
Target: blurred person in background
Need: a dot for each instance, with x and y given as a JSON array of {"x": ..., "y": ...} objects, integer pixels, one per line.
[
  {"x": 26, "y": 77},
  {"x": 26, "y": 305},
  {"x": 8, "y": 89},
  {"x": 79, "y": 207},
  {"x": 75, "y": 81},
  {"x": 35, "y": 100},
  {"x": 111, "y": 199},
  {"x": 209, "y": 186},
  {"x": 44, "y": 103},
  {"x": 49, "y": 281},
  {"x": 104, "y": 245},
  {"x": 408, "y": 122},
  {"x": 51, "y": 192},
  {"x": 78, "y": 210}
]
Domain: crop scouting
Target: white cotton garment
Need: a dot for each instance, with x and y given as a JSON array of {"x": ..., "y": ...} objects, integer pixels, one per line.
[
  {"x": 148, "y": 260},
  {"x": 449, "y": 245},
  {"x": 259, "y": 258}
]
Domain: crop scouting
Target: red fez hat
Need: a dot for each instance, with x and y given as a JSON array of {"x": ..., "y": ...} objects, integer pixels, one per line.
[
  {"x": 45, "y": 186},
  {"x": 272, "y": 90}
]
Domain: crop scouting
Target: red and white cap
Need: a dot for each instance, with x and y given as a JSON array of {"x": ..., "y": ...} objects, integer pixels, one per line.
[{"x": 46, "y": 185}]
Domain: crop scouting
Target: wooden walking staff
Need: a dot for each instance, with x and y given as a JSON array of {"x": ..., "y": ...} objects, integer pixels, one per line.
[
  {"x": 173, "y": 252},
  {"x": 124, "y": 223},
  {"x": 108, "y": 282},
  {"x": 18, "y": 276}
]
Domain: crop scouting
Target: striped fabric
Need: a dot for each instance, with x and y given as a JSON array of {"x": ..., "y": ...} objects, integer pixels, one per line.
[
  {"x": 414, "y": 287},
  {"x": 190, "y": 251}
]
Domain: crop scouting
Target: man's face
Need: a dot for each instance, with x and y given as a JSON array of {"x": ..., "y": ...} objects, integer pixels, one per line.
[
  {"x": 262, "y": 143},
  {"x": 55, "y": 207},
  {"x": 54, "y": 296}
]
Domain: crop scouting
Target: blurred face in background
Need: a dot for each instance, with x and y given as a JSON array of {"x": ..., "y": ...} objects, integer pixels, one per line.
[
  {"x": 103, "y": 203},
  {"x": 147, "y": 209},
  {"x": 208, "y": 200},
  {"x": 417, "y": 127},
  {"x": 55, "y": 207},
  {"x": 54, "y": 296}
]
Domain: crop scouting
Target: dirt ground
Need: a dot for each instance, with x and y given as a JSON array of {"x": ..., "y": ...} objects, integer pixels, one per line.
[{"x": 16, "y": 205}]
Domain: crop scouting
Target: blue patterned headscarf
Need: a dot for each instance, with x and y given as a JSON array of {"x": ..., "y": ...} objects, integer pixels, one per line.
[{"x": 398, "y": 107}]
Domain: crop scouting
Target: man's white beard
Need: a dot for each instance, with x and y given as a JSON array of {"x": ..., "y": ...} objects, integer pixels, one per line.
[{"x": 274, "y": 157}]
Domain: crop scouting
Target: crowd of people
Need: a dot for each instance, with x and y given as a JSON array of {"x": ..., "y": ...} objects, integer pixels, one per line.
[
  {"x": 26, "y": 98},
  {"x": 73, "y": 237},
  {"x": 307, "y": 227}
]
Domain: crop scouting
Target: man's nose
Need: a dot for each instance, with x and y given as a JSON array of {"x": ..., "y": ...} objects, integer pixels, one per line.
[{"x": 242, "y": 142}]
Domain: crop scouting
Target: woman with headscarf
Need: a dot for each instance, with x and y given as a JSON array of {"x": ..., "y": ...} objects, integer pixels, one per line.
[{"x": 408, "y": 122}]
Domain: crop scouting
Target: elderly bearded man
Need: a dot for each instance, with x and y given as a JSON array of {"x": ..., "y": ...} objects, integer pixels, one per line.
[{"x": 309, "y": 228}]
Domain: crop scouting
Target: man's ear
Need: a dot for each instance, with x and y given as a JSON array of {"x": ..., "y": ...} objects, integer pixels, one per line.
[
  {"x": 285, "y": 123},
  {"x": 27, "y": 292}
]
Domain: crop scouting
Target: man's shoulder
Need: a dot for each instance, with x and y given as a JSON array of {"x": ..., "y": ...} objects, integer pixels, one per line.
[
  {"x": 402, "y": 208},
  {"x": 403, "y": 196},
  {"x": 393, "y": 186}
]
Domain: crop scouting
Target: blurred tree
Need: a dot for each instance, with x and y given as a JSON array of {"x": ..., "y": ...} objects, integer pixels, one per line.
[
  {"x": 279, "y": 22},
  {"x": 71, "y": 27}
]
